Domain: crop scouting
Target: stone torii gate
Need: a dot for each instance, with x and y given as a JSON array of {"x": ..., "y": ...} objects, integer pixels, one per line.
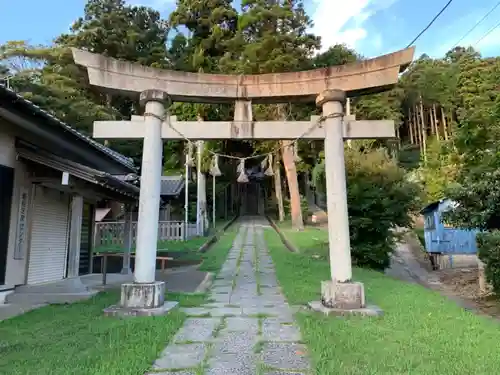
[{"x": 329, "y": 87}]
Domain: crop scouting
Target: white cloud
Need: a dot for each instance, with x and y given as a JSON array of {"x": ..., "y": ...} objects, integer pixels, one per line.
[
  {"x": 331, "y": 17},
  {"x": 463, "y": 30},
  {"x": 476, "y": 38},
  {"x": 491, "y": 40}
]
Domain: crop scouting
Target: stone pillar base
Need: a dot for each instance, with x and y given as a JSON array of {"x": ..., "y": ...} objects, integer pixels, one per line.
[
  {"x": 145, "y": 296},
  {"x": 343, "y": 299},
  {"x": 337, "y": 295},
  {"x": 141, "y": 300}
]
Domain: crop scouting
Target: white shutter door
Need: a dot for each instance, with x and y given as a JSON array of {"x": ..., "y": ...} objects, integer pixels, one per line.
[{"x": 49, "y": 236}]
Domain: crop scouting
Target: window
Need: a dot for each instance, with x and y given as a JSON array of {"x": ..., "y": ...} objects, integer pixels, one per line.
[{"x": 429, "y": 222}]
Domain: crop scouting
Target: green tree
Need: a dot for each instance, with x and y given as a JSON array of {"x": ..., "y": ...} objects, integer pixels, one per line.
[
  {"x": 440, "y": 170},
  {"x": 211, "y": 24},
  {"x": 477, "y": 141},
  {"x": 4, "y": 75},
  {"x": 431, "y": 103},
  {"x": 338, "y": 54},
  {"x": 115, "y": 29},
  {"x": 56, "y": 85},
  {"x": 178, "y": 53},
  {"x": 272, "y": 37}
]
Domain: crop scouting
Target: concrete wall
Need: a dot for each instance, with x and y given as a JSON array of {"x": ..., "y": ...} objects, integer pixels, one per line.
[{"x": 16, "y": 269}]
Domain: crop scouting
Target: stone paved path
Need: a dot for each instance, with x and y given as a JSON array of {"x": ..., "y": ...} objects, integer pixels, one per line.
[{"x": 247, "y": 328}]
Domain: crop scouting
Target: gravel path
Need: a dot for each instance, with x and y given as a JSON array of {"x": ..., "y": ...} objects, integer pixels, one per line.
[{"x": 247, "y": 328}]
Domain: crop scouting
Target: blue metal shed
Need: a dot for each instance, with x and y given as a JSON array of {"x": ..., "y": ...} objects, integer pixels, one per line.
[{"x": 440, "y": 238}]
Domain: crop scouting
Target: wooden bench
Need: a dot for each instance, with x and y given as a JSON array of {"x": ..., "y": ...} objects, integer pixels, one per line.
[{"x": 104, "y": 262}]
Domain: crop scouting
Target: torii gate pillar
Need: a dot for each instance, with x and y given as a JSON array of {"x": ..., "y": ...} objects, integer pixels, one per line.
[
  {"x": 153, "y": 102},
  {"x": 339, "y": 292},
  {"x": 146, "y": 296},
  {"x": 332, "y": 102}
]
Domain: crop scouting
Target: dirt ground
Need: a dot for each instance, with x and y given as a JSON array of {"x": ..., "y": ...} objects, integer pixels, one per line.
[
  {"x": 462, "y": 283},
  {"x": 458, "y": 283}
]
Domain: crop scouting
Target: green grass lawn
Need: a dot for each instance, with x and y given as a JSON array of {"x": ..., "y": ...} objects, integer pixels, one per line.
[
  {"x": 77, "y": 339},
  {"x": 421, "y": 332}
]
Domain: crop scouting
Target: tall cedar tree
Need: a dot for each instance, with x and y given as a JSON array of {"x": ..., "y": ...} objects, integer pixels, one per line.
[
  {"x": 210, "y": 25},
  {"x": 272, "y": 37}
]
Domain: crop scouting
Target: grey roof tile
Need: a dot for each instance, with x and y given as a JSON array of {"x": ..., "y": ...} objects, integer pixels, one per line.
[{"x": 171, "y": 185}]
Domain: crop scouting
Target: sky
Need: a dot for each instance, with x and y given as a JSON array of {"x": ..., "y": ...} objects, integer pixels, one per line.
[{"x": 372, "y": 27}]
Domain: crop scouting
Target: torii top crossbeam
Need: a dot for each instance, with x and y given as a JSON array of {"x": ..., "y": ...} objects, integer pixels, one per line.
[{"x": 368, "y": 76}]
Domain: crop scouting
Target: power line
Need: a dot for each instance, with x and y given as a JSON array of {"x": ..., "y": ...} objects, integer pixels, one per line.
[
  {"x": 430, "y": 23},
  {"x": 477, "y": 24},
  {"x": 486, "y": 34}
]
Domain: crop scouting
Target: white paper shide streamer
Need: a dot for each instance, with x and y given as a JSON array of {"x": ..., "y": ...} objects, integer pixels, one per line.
[
  {"x": 215, "y": 170},
  {"x": 296, "y": 152},
  {"x": 242, "y": 178},
  {"x": 189, "y": 155},
  {"x": 268, "y": 161}
]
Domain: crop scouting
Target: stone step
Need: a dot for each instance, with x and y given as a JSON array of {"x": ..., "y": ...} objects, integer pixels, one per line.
[
  {"x": 10, "y": 310},
  {"x": 71, "y": 285},
  {"x": 46, "y": 298},
  {"x": 63, "y": 291},
  {"x": 4, "y": 292}
]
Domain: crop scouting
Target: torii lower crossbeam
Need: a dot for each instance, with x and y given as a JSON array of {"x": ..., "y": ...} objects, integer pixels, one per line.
[{"x": 258, "y": 130}]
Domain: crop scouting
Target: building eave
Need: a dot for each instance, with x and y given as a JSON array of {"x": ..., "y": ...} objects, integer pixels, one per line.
[
  {"x": 41, "y": 122},
  {"x": 80, "y": 171}
]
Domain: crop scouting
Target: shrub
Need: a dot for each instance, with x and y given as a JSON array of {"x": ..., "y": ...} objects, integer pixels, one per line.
[
  {"x": 488, "y": 244},
  {"x": 380, "y": 199}
]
